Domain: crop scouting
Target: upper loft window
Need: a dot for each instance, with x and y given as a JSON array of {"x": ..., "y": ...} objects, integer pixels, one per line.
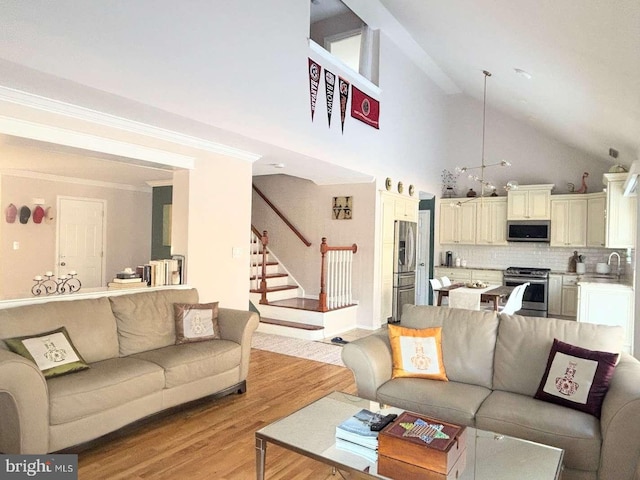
[{"x": 346, "y": 36}]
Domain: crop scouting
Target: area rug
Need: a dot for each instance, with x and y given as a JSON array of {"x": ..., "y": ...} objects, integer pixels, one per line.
[{"x": 296, "y": 347}]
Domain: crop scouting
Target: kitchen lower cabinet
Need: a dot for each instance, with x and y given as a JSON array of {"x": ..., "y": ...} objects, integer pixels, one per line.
[
  {"x": 456, "y": 275},
  {"x": 608, "y": 304},
  {"x": 562, "y": 300}
]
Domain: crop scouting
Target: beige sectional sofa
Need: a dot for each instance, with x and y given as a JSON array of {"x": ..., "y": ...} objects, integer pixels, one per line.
[
  {"x": 136, "y": 369},
  {"x": 494, "y": 364}
]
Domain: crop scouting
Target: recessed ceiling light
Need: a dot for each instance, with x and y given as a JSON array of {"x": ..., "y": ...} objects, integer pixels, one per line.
[
  {"x": 278, "y": 165},
  {"x": 523, "y": 73}
]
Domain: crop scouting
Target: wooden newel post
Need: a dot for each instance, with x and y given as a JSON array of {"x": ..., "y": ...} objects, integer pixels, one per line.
[
  {"x": 264, "y": 239},
  {"x": 322, "y": 298}
]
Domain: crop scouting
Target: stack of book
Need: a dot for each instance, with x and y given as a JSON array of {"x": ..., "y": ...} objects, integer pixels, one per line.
[
  {"x": 126, "y": 279},
  {"x": 160, "y": 272},
  {"x": 355, "y": 435}
]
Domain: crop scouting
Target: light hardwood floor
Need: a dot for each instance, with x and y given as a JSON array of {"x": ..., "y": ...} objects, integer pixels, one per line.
[{"x": 214, "y": 439}]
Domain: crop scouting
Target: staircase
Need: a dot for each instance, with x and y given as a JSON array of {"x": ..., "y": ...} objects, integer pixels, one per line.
[{"x": 288, "y": 311}]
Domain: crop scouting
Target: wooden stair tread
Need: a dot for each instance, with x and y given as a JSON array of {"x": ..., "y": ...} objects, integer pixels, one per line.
[
  {"x": 275, "y": 289},
  {"x": 271, "y": 275},
  {"x": 284, "y": 323}
]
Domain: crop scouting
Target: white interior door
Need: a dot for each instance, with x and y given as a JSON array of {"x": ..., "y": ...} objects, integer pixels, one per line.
[
  {"x": 81, "y": 239},
  {"x": 423, "y": 252}
]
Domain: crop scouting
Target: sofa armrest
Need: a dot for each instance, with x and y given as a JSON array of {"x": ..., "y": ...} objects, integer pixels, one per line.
[
  {"x": 620, "y": 423},
  {"x": 24, "y": 406},
  {"x": 369, "y": 359},
  {"x": 238, "y": 326}
]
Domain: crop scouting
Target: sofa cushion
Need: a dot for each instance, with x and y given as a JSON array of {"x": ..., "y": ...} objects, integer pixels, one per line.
[
  {"x": 89, "y": 322},
  {"x": 190, "y": 362},
  {"x": 468, "y": 340},
  {"x": 105, "y": 385},
  {"x": 53, "y": 352},
  {"x": 146, "y": 320},
  {"x": 417, "y": 352},
  {"x": 577, "y": 377},
  {"x": 520, "y": 416},
  {"x": 196, "y": 322},
  {"x": 448, "y": 401},
  {"x": 523, "y": 346}
]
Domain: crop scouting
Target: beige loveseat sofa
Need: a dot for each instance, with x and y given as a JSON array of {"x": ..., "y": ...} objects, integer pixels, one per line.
[
  {"x": 494, "y": 365},
  {"x": 136, "y": 369}
]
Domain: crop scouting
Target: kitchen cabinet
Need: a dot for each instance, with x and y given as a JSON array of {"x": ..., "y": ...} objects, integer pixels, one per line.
[
  {"x": 620, "y": 213},
  {"x": 562, "y": 299},
  {"x": 464, "y": 275},
  {"x": 394, "y": 207},
  {"x": 596, "y": 206},
  {"x": 457, "y": 223},
  {"x": 608, "y": 304},
  {"x": 568, "y": 221},
  {"x": 456, "y": 275},
  {"x": 529, "y": 202},
  {"x": 491, "y": 225},
  {"x": 554, "y": 299},
  {"x": 569, "y": 304}
]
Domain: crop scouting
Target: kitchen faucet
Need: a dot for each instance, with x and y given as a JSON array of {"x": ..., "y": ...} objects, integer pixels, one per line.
[{"x": 609, "y": 262}]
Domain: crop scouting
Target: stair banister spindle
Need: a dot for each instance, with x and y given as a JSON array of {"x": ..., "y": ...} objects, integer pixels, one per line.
[
  {"x": 264, "y": 240},
  {"x": 322, "y": 298}
]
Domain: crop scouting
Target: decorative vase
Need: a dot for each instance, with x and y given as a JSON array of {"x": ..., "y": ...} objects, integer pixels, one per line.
[{"x": 471, "y": 193}]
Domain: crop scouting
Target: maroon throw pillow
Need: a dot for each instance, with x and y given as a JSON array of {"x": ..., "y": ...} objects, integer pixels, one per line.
[{"x": 576, "y": 377}]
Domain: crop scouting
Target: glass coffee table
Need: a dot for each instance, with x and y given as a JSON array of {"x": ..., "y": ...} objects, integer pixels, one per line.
[{"x": 311, "y": 431}]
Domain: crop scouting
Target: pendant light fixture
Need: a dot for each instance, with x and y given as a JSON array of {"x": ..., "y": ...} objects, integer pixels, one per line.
[{"x": 485, "y": 186}]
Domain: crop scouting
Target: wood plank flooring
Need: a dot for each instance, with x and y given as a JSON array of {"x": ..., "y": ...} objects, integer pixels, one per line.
[{"x": 214, "y": 439}]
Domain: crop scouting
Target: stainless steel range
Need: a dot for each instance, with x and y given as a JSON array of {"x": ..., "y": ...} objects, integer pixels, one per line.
[{"x": 535, "y": 301}]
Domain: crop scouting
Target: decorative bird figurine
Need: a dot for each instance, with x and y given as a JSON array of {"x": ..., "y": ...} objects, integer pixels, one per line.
[{"x": 583, "y": 187}]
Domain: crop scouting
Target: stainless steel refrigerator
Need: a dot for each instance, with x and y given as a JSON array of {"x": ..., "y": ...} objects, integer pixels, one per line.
[{"x": 404, "y": 269}]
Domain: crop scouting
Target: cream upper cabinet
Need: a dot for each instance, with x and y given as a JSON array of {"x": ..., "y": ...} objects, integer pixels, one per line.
[
  {"x": 457, "y": 223},
  {"x": 620, "y": 213},
  {"x": 529, "y": 202},
  {"x": 596, "y": 207},
  {"x": 568, "y": 221},
  {"x": 491, "y": 224}
]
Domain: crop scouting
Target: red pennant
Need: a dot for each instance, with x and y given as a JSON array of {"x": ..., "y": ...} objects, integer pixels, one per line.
[
  {"x": 329, "y": 86},
  {"x": 314, "y": 81},
  {"x": 343, "y": 86},
  {"x": 365, "y": 108}
]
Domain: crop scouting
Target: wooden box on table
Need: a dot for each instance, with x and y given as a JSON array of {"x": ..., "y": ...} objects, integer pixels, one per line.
[{"x": 414, "y": 446}]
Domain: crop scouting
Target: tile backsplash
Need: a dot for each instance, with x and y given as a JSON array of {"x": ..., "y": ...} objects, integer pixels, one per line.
[{"x": 533, "y": 255}]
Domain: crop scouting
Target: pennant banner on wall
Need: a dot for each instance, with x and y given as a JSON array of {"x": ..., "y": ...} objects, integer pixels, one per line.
[
  {"x": 365, "y": 108},
  {"x": 329, "y": 85},
  {"x": 343, "y": 85},
  {"x": 314, "y": 81}
]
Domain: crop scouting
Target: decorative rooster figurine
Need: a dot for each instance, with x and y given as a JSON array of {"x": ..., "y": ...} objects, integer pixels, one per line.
[{"x": 583, "y": 187}]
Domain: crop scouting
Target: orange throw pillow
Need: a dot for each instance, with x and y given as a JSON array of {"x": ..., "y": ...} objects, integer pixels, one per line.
[{"x": 417, "y": 352}]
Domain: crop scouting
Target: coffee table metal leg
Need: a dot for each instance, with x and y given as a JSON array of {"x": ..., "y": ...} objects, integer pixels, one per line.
[{"x": 261, "y": 455}]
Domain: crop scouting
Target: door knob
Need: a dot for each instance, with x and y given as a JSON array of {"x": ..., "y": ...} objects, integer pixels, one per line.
[
  {"x": 422, "y": 264},
  {"x": 62, "y": 264}
]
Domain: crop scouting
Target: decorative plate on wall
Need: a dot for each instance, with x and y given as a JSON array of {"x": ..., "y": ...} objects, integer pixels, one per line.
[
  {"x": 388, "y": 183},
  {"x": 400, "y": 187},
  {"x": 411, "y": 190}
]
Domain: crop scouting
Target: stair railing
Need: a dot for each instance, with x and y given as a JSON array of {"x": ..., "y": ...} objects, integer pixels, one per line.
[
  {"x": 335, "y": 276},
  {"x": 281, "y": 215},
  {"x": 259, "y": 269}
]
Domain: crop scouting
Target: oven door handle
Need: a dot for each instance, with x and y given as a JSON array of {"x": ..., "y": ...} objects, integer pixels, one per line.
[{"x": 524, "y": 280}]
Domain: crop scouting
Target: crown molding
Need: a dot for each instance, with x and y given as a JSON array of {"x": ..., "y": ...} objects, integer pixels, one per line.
[
  {"x": 73, "y": 180},
  {"x": 77, "y": 112},
  {"x": 47, "y": 133}
]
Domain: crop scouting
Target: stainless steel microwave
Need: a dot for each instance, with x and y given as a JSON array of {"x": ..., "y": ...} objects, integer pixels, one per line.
[{"x": 529, "y": 231}]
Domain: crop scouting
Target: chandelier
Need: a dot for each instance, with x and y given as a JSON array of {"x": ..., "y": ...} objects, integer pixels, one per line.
[{"x": 485, "y": 185}]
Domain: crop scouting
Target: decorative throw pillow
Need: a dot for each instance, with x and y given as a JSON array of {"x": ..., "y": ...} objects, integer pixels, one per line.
[
  {"x": 417, "y": 352},
  {"x": 53, "y": 352},
  {"x": 196, "y": 322},
  {"x": 576, "y": 377}
]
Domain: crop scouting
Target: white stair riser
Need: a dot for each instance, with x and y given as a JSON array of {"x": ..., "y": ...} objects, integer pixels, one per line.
[{"x": 270, "y": 269}]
